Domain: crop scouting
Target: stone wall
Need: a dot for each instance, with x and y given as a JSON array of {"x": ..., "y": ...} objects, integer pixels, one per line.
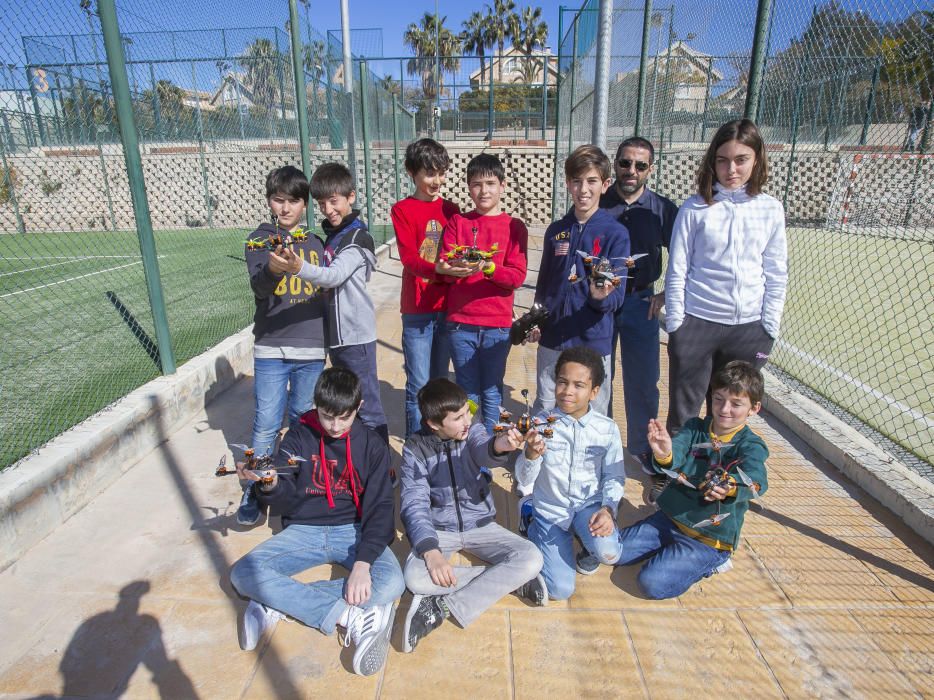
[{"x": 66, "y": 189}]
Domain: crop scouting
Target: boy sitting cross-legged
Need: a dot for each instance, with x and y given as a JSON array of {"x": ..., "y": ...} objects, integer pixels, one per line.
[
  {"x": 578, "y": 476},
  {"x": 447, "y": 506},
  {"x": 336, "y": 508},
  {"x": 721, "y": 464}
]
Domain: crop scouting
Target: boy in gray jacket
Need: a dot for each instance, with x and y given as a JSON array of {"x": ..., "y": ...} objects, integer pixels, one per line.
[
  {"x": 447, "y": 506},
  {"x": 349, "y": 261}
]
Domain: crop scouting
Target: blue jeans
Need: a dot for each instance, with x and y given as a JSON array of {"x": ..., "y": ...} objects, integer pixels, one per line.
[
  {"x": 270, "y": 379},
  {"x": 265, "y": 574},
  {"x": 361, "y": 360},
  {"x": 675, "y": 561},
  {"x": 639, "y": 357},
  {"x": 557, "y": 548},
  {"x": 426, "y": 355},
  {"x": 479, "y": 355}
]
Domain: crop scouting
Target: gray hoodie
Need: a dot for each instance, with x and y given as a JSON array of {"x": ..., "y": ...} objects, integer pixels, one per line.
[
  {"x": 444, "y": 487},
  {"x": 350, "y": 260}
]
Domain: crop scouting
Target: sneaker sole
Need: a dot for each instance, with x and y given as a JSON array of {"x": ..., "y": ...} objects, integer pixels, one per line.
[
  {"x": 244, "y": 521},
  {"x": 406, "y": 647},
  {"x": 373, "y": 658},
  {"x": 585, "y": 572}
]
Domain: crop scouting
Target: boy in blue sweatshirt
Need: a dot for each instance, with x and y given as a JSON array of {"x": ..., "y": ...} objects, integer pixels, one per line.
[
  {"x": 336, "y": 507},
  {"x": 349, "y": 261},
  {"x": 580, "y": 311}
]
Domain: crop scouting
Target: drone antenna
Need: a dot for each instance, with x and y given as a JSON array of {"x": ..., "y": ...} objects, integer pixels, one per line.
[
  {"x": 525, "y": 395},
  {"x": 275, "y": 222}
]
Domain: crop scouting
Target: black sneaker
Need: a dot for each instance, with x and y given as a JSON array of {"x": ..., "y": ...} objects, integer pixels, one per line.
[
  {"x": 534, "y": 591},
  {"x": 425, "y": 614},
  {"x": 587, "y": 563},
  {"x": 659, "y": 483}
]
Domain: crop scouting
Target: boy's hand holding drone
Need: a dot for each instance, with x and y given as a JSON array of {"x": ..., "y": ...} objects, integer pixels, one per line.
[
  {"x": 718, "y": 493},
  {"x": 287, "y": 259},
  {"x": 534, "y": 444},
  {"x": 457, "y": 267},
  {"x": 508, "y": 441},
  {"x": 600, "y": 293}
]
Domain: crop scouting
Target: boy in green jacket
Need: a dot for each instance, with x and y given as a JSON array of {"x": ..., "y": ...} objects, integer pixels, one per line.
[{"x": 716, "y": 465}]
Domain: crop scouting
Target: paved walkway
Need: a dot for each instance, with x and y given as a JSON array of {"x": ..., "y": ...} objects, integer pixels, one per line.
[{"x": 829, "y": 596}]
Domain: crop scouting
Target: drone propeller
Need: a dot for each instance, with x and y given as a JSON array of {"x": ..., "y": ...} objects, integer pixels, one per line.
[
  {"x": 753, "y": 487},
  {"x": 712, "y": 520},
  {"x": 679, "y": 477}
]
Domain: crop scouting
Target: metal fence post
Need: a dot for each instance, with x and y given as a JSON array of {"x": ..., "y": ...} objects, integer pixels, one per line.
[
  {"x": 491, "y": 118},
  {"x": 110, "y": 199},
  {"x": 301, "y": 108},
  {"x": 703, "y": 131},
  {"x": 643, "y": 64},
  {"x": 205, "y": 185},
  {"x": 395, "y": 147},
  {"x": 601, "y": 101},
  {"x": 10, "y": 185},
  {"x": 554, "y": 179},
  {"x": 870, "y": 103},
  {"x": 156, "y": 106},
  {"x": 365, "y": 128},
  {"x": 757, "y": 60},
  {"x": 134, "y": 164},
  {"x": 571, "y": 105},
  {"x": 30, "y": 76}
]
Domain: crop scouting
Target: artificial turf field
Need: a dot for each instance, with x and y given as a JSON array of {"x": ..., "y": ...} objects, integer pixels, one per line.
[
  {"x": 75, "y": 320},
  {"x": 77, "y": 327}
]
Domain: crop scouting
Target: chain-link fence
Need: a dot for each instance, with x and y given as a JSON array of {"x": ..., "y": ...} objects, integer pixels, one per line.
[
  {"x": 215, "y": 110},
  {"x": 845, "y": 106}
]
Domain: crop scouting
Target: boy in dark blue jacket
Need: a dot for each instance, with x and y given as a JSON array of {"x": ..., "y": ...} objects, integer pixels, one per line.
[
  {"x": 580, "y": 310},
  {"x": 336, "y": 507},
  {"x": 447, "y": 506}
]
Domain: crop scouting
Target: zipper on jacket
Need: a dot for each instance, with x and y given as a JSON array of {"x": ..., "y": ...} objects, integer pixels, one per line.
[{"x": 457, "y": 503}]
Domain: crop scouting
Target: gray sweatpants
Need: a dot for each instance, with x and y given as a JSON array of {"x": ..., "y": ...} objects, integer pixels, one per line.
[
  {"x": 700, "y": 348},
  {"x": 513, "y": 561}
]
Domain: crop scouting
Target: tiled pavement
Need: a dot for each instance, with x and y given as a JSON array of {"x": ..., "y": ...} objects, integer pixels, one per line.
[{"x": 829, "y": 597}]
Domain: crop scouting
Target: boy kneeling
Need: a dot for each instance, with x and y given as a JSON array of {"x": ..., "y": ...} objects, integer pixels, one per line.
[
  {"x": 447, "y": 506},
  {"x": 720, "y": 464},
  {"x": 336, "y": 508}
]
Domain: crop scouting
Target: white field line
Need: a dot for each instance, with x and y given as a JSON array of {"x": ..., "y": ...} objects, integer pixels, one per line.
[
  {"x": 51, "y": 265},
  {"x": 70, "y": 279},
  {"x": 862, "y": 386},
  {"x": 67, "y": 257}
]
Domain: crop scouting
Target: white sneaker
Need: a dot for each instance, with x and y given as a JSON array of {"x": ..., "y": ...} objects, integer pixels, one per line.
[
  {"x": 369, "y": 630},
  {"x": 724, "y": 567},
  {"x": 256, "y": 620}
]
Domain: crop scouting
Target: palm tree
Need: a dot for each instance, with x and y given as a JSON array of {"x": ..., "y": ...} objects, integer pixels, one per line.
[
  {"x": 529, "y": 32},
  {"x": 427, "y": 40},
  {"x": 259, "y": 61},
  {"x": 501, "y": 15},
  {"x": 476, "y": 39},
  {"x": 390, "y": 85}
]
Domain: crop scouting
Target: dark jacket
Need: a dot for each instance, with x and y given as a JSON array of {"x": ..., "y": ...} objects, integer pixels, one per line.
[
  {"x": 289, "y": 311},
  {"x": 687, "y": 506},
  {"x": 443, "y": 486},
  {"x": 576, "y": 318},
  {"x": 360, "y": 491}
]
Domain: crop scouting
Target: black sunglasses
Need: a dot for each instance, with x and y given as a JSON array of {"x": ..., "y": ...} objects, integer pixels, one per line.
[{"x": 625, "y": 164}]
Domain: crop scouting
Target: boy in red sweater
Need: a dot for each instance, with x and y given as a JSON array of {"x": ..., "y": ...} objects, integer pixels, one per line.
[
  {"x": 483, "y": 253},
  {"x": 418, "y": 221}
]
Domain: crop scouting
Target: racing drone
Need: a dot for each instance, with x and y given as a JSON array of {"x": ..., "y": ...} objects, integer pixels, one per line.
[
  {"x": 276, "y": 239},
  {"x": 262, "y": 466},
  {"x": 525, "y": 422},
  {"x": 523, "y": 326},
  {"x": 599, "y": 269}
]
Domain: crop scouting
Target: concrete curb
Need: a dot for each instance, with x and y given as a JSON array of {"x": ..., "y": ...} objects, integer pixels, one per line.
[
  {"x": 895, "y": 486},
  {"x": 45, "y": 489}
]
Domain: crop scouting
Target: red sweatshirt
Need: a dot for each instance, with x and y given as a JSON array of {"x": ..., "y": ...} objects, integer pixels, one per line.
[
  {"x": 480, "y": 300},
  {"x": 418, "y": 226}
]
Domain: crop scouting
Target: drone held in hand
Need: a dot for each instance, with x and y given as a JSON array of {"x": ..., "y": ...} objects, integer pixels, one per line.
[
  {"x": 526, "y": 421},
  {"x": 599, "y": 269}
]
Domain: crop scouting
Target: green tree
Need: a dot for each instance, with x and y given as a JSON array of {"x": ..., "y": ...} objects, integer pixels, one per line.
[
  {"x": 529, "y": 32},
  {"x": 259, "y": 61},
  {"x": 476, "y": 39},
  {"x": 501, "y": 14},
  {"x": 426, "y": 40}
]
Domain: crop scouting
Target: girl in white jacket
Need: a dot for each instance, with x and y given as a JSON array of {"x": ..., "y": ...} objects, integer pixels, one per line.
[{"x": 727, "y": 270}]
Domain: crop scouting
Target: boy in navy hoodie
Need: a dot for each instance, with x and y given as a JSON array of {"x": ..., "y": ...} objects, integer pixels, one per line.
[
  {"x": 288, "y": 323},
  {"x": 580, "y": 311},
  {"x": 336, "y": 507},
  {"x": 349, "y": 261}
]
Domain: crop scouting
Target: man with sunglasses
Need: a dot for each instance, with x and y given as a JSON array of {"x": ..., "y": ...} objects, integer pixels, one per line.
[{"x": 649, "y": 218}]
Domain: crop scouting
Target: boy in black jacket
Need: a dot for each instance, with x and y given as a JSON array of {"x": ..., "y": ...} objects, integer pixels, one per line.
[
  {"x": 336, "y": 507},
  {"x": 288, "y": 324}
]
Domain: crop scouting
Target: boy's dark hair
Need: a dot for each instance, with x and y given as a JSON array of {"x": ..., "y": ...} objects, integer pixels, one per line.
[
  {"x": 583, "y": 158},
  {"x": 287, "y": 180},
  {"x": 485, "y": 164},
  {"x": 746, "y": 132},
  {"x": 439, "y": 397},
  {"x": 426, "y": 154},
  {"x": 588, "y": 357},
  {"x": 739, "y": 378},
  {"x": 330, "y": 179},
  {"x": 637, "y": 142},
  {"x": 338, "y": 391}
]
